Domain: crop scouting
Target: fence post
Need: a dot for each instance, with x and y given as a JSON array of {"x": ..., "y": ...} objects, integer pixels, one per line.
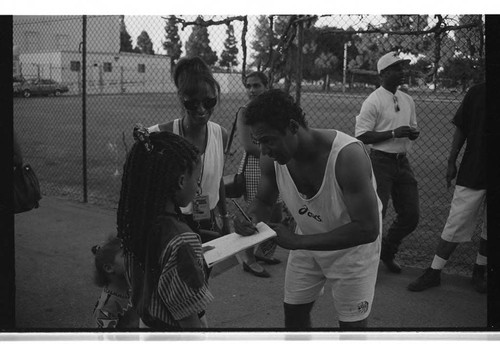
[
  {"x": 300, "y": 43},
  {"x": 344, "y": 74},
  {"x": 84, "y": 106},
  {"x": 122, "y": 85}
]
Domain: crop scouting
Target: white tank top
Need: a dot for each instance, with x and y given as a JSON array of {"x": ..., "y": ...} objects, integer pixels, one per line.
[
  {"x": 326, "y": 210},
  {"x": 213, "y": 166}
]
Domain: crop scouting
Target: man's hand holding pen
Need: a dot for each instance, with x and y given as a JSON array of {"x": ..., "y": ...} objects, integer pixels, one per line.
[{"x": 244, "y": 227}]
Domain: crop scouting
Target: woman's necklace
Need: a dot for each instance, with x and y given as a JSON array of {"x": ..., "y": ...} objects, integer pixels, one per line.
[{"x": 183, "y": 132}]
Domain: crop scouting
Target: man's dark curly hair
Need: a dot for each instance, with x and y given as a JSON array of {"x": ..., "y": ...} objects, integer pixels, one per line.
[{"x": 275, "y": 108}]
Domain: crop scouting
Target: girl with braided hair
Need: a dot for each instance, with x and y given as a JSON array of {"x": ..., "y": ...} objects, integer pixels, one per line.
[
  {"x": 164, "y": 261},
  {"x": 198, "y": 93}
]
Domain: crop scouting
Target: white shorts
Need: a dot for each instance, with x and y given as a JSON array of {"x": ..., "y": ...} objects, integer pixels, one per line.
[
  {"x": 352, "y": 293},
  {"x": 465, "y": 212}
]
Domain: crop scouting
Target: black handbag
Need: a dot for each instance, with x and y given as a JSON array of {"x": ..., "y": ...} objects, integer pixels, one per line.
[
  {"x": 26, "y": 189},
  {"x": 235, "y": 184}
]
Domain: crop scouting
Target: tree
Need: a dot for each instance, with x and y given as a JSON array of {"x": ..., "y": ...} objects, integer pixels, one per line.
[
  {"x": 415, "y": 44},
  {"x": 469, "y": 41},
  {"x": 461, "y": 71},
  {"x": 125, "y": 39},
  {"x": 144, "y": 44},
  {"x": 265, "y": 40},
  {"x": 172, "y": 44},
  {"x": 198, "y": 44},
  {"x": 228, "y": 55},
  {"x": 326, "y": 63}
]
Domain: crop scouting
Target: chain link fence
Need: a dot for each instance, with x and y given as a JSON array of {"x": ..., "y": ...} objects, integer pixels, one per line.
[{"x": 117, "y": 71}]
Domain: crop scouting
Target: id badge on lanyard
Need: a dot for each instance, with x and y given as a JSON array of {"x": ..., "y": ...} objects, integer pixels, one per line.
[{"x": 201, "y": 208}]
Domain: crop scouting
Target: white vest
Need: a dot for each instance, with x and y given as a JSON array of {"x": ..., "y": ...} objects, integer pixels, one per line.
[
  {"x": 326, "y": 211},
  {"x": 213, "y": 160}
]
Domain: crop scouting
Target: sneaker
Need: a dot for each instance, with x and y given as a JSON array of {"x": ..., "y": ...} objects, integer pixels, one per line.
[
  {"x": 479, "y": 278},
  {"x": 430, "y": 278}
]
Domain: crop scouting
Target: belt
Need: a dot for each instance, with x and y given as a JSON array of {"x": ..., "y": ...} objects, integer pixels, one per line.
[{"x": 389, "y": 155}]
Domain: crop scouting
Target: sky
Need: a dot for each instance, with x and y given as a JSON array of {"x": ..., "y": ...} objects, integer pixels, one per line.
[{"x": 154, "y": 26}]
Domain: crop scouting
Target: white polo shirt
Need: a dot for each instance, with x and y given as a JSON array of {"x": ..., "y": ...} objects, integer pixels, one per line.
[{"x": 378, "y": 113}]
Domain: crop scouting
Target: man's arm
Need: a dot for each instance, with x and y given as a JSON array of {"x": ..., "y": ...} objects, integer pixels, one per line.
[
  {"x": 267, "y": 192},
  {"x": 354, "y": 177},
  {"x": 456, "y": 145},
  {"x": 365, "y": 124}
]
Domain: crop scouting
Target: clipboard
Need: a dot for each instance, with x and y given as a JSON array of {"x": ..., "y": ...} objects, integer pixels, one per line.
[{"x": 230, "y": 244}]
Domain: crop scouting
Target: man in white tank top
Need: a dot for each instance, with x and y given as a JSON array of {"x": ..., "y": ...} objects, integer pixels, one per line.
[{"x": 326, "y": 180}]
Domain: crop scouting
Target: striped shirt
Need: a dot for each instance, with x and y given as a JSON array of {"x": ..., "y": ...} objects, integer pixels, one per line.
[{"x": 182, "y": 288}]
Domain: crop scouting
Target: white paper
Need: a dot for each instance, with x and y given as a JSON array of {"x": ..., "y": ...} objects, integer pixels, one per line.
[{"x": 230, "y": 244}]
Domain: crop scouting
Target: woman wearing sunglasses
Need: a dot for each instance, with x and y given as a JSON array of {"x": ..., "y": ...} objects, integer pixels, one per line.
[{"x": 198, "y": 93}]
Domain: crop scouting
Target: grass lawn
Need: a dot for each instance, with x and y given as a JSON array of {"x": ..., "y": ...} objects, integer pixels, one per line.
[{"x": 50, "y": 132}]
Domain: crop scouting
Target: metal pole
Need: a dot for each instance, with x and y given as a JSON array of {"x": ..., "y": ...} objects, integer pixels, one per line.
[
  {"x": 300, "y": 43},
  {"x": 84, "y": 106},
  {"x": 345, "y": 68}
]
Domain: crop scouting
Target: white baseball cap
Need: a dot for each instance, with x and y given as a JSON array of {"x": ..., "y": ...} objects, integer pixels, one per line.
[{"x": 388, "y": 60}]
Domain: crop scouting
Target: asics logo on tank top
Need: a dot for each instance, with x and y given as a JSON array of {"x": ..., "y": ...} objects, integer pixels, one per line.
[{"x": 305, "y": 211}]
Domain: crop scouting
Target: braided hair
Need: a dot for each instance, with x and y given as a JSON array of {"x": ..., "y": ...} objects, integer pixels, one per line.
[{"x": 150, "y": 180}]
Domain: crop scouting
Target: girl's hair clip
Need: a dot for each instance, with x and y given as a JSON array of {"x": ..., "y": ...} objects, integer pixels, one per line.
[{"x": 141, "y": 134}]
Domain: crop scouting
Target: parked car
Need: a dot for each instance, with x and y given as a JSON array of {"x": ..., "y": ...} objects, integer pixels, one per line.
[
  {"x": 17, "y": 81},
  {"x": 42, "y": 87}
]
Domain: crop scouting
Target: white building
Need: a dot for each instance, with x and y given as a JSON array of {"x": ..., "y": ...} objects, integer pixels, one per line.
[{"x": 50, "y": 47}]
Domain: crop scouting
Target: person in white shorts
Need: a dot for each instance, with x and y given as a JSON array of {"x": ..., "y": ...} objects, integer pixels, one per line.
[
  {"x": 469, "y": 199},
  {"x": 325, "y": 179}
]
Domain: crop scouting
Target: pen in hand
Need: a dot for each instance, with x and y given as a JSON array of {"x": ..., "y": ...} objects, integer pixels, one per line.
[{"x": 243, "y": 213}]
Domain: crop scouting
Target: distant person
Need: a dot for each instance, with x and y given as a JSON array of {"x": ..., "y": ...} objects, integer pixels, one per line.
[
  {"x": 198, "y": 93},
  {"x": 113, "y": 309},
  {"x": 325, "y": 179},
  {"x": 164, "y": 261},
  {"x": 469, "y": 199},
  {"x": 388, "y": 123},
  {"x": 255, "y": 84}
]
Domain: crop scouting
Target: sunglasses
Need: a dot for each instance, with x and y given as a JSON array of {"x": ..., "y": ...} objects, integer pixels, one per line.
[
  {"x": 396, "y": 105},
  {"x": 207, "y": 103}
]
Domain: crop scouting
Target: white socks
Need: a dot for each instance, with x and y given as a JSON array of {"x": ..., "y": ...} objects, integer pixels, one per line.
[
  {"x": 481, "y": 260},
  {"x": 438, "y": 263}
]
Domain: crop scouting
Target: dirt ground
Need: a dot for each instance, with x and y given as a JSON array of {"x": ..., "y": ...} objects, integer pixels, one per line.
[{"x": 54, "y": 288}]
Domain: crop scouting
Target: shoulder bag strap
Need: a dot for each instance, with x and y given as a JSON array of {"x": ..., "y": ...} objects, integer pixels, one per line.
[{"x": 233, "y": 130}]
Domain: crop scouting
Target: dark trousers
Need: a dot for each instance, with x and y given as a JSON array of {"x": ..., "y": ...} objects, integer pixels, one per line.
[{"x": 395, "y": 180}]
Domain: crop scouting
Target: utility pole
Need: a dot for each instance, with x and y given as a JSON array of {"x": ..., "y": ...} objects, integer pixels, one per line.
[{"x": 346, "y": 44}]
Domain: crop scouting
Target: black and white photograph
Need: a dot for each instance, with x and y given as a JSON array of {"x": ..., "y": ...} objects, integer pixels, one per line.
[{"x": 249, "y": 176}]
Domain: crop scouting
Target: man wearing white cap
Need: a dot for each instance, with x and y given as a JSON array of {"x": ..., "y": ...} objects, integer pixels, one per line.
[{"x": 388, "y": 123}]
